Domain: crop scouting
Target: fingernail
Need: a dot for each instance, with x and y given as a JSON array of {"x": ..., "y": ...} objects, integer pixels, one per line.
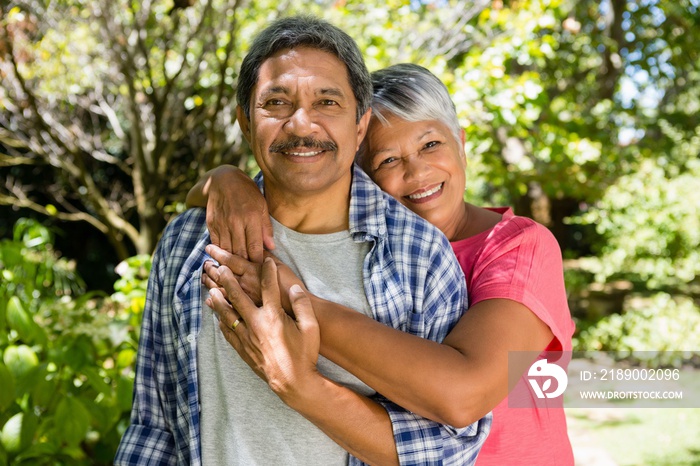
[{"x": 296, "y": 289}]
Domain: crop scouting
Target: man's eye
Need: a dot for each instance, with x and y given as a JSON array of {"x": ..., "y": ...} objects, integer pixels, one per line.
[
  {"x": 431, "y": 144},
  {"x": 328, "y": 102},
  {"x": 274, "y": 102}
]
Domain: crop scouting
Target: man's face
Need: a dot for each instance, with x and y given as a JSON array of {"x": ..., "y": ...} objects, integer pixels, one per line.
[{"x": 302, "y": 126}]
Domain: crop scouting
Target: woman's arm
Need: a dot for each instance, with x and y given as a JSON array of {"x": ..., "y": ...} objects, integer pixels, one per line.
[
  {"x": 237, "y": 215},
  {"x": 454, "y": 383},
  {"x": 284, "y": 351}
]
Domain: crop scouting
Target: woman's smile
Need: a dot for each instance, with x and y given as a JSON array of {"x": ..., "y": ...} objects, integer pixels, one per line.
[{"x": 423, "y": 195}]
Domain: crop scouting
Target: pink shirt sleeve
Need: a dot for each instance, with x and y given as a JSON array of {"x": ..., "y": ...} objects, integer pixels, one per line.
[{"x": 521, "y": 260}]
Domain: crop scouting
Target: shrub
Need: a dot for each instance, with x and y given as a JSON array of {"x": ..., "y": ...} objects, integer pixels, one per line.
[
  {"x": 66, "y": 369},
  {"x": 659, "y": 330},
  {"x": 651, "y": 228}
]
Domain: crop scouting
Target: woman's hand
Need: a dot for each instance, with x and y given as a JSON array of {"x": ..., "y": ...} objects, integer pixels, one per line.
[
  {"x": 280, "y": 349},
  {"x": 248, "y": 275},
  {"x": 237, "y": 215}
]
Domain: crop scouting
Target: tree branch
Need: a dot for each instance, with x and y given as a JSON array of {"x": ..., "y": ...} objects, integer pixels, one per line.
[{"x": 71, "y": 217}]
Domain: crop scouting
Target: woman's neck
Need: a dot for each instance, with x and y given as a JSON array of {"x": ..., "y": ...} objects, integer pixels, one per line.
[{"x": 471, "y": 221}]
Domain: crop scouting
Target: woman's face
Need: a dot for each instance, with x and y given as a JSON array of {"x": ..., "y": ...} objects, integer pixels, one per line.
[{"x": 422, "y": 165}]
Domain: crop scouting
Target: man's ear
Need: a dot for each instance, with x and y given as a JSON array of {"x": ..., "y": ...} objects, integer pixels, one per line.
[
  {"x": 243, "y": 122},
  {"x": 362, "y": 127}
]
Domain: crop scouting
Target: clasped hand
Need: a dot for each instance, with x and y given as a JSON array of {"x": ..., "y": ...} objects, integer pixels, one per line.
[{"x": 281, "y": 349}]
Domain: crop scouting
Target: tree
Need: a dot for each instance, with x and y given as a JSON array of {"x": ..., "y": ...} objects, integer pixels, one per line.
[
  {"x": 116, "y": 105},
  {"x": 571, "y": 96}
]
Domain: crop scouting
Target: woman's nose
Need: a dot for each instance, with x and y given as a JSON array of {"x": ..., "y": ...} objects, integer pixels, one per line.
[{"x": 415, "y": 167}]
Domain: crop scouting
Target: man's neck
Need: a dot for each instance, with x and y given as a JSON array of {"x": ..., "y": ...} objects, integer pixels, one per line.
[{"x": 312, "y": 214}]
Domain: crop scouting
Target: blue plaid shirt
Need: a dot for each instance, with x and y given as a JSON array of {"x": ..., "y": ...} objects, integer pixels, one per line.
[{"x": 412, "y": 281}]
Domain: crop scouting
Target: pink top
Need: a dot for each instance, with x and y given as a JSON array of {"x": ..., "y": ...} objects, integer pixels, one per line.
[{"x": 520, "y": 260}]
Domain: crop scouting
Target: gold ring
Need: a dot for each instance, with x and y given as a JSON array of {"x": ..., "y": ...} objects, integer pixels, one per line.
[{"x": 235, "y": 324}]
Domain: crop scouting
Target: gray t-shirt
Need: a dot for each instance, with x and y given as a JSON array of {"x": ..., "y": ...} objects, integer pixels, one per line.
[{"x": 242, "y": 421}]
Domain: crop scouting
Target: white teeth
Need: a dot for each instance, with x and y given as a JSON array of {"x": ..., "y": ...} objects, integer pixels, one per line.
[
  {"x": 304, "y": 154},
  {"x": 426, "y": 193}
]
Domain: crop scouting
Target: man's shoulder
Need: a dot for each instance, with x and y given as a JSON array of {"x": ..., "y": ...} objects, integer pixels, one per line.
[
  {"x": 183, "y": 232},
  {"x": 382, "y": 214},
  {"x": 403, "y": 223},
  {"x": 191, "y": 221}
]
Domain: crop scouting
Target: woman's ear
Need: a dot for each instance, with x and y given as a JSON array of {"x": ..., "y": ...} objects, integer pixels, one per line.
[{"x": 462, "y": 139}]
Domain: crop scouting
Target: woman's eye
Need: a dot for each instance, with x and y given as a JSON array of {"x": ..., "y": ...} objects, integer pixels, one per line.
[
  {"x": 431, "y": 144},
  {"x": 387, "y": 162}
]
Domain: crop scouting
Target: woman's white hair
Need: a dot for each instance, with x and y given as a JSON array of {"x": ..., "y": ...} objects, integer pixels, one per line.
[{"x": 412, "y": 93}]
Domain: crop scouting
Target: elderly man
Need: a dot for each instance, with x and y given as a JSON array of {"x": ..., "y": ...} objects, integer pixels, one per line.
[{"x": 304, "y": 95}]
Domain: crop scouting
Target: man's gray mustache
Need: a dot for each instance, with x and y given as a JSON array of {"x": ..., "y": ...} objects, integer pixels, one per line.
[{"x": 309, "y": 143}]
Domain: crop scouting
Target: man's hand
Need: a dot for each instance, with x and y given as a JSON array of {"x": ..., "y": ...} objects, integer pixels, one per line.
[{"x": 280, "y": 349}]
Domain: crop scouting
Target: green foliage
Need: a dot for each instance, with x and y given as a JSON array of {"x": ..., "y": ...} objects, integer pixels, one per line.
[
  {"x": 560, "y": 100},
  {"x": 67, "y": 361},
  {"x": 660, "y": 323},
  {"x": 650, "y": 222}
]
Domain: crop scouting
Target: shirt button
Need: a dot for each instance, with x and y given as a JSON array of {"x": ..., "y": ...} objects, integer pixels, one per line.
[{"x": 190, "y": 338}]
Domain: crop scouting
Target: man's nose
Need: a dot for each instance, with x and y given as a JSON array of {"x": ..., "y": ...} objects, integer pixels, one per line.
[{"x": 299, "y": 123}]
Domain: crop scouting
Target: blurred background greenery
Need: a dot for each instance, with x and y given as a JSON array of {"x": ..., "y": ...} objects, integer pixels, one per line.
[{"x": 583, "y": 115}]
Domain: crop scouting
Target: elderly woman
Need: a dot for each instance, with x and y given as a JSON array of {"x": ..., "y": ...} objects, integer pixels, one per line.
[{"x": 414, "y": 150}]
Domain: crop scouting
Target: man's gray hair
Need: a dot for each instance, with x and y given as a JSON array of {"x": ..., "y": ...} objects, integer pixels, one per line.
[
  {"x": 413, "y": 93},
  {"x": 305, "y": 31}
]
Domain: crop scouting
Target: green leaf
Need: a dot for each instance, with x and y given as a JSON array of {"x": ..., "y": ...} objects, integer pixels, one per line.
[
  {"x": 97, "y": 381},
  {"x": 72, "y": 420},
  {"x": 20, "y": 360},
  {"x": 19, "y": 320},
  {"x": 7, "y": 382},
  {"x": 125, "y": 393},
  {"x": 3, "y": 309},
  {"x": 44, "y": 390},
  {"x": 126, "y": 358},
  {"x": 18, "y": 432},
  {"x": 37, "y": 451},
  {"x": 11, "y": 434}
]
